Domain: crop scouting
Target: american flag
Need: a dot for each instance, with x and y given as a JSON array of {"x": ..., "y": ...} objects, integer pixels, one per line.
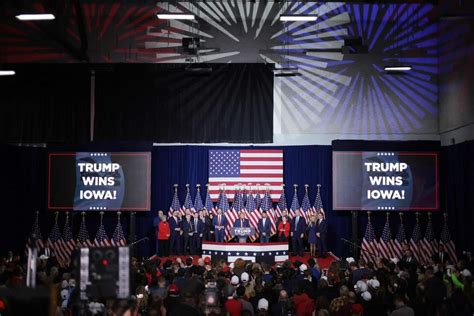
[
  {"x": 318, "y": 203},
  {"x": 254, "y": 214},
  {"x": 415, "y": 242},
  {"x": 400, "y": 240},
  {"x": 369, "y": 244},
  {"x": 56, "y": 243},
  {"x": 208, "y": 205},
  {"x": 281, "y": 206},
  {"x": 188, "y": 202},
  {"x": 267, "y": 206},
  {"x": 118, "y": 238},
  {"x": 197, "y": 199},
  {"x": 230, "y": 216},
  {"x": 445, "y": 239},
  {"x": 245, "y": 166},
  {"x": 69, "y": 242},
  {"x": 101, "y": 238},
  {"x": 295, "y": 204},
  {"x": 36, "y": 232},
  {"x": 258, "y": 199},
  {"x": 175, "y": 205},
  {"x": 386, "y": 244},
  {"x": 83, "y": 239},
  {"x": 306, "y": 209},
  {"x": 428, "y": 245}
]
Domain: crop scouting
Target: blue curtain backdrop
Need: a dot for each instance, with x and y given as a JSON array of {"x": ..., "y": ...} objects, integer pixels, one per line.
[{"x": 23, "y": 191}]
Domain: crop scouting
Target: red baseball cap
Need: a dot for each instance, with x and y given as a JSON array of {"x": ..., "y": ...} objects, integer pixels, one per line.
[
  {"x": 225, "y": 269},
  {"x": 173, "y": 289},
  {"x": 207, "y": 260}
]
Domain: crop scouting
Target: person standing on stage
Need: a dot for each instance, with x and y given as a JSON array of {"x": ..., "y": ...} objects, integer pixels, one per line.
[
  {"x": 298, "y": 227},
  {"x": 264, "y": 228},
  {"x": 198, "y": 225},
  {"x": 164, "y": 237},
  {"x": 207, "y": 220},
  {"x": 241, "y": 222},
  {"x": 175, "y": 236},
  {"x": 283, "y": 229},
  {"x": 219, "y": 222},
  {"x": 284, "y": 213},
  {"x": 311, "y": 230},
  {"x": 188, "y": 234},
  {"x": 321, "y": 231},
  {"x": 156, "y": 223}
]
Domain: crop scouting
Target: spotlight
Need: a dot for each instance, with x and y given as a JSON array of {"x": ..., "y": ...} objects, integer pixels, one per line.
[
  {"x": 35, "y": 17},
  {"x": 397, "y": 68},
  {"x": 286, "y": 72},
  {"x": 7, "y": 72},
  {"x": 308, "y": 18}
]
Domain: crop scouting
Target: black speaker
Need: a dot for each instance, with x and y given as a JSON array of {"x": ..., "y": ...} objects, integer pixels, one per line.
[{"x": 104, "y": 273}]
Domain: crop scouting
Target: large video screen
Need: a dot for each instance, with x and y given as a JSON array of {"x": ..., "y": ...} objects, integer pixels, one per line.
[
  {"x": 385, "y": 181},
  {"x": 96, "y": 181}
]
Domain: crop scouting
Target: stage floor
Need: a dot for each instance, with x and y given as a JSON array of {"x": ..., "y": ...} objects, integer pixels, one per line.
[{"x": 323, "y": 262}]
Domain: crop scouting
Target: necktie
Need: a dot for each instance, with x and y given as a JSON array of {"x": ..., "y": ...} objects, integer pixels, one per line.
[
  {"x": 219, "y": 221},
  {"x": 241, "y": 223},
  {"x": 264, "y": 222},
  {"x": 297, "y": 219}
]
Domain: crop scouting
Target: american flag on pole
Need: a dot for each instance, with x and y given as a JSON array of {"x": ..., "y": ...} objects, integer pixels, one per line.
[
  {"x": 69, "y": 242},
  {"x": 118, "y": 238},
  {"x": 254, "y": 214},
  {"x": 428, "y": 244},
  {"x": 101, "y": 238},
  {"x": 258, "y": 199},
  {"x": 369, "y": 244},
  {"x": 197, "y": 199},
  {"x": 445, "y": 240},
  {"x": 400, "y": 240},
  {"x": 56, "y": 243},
  {"x": 386, "y": 244},
  {"x": 238, "y": 204},
  {"x": 281, "y": 206},
  {"x": 295, "y": 204},
  {"x": 267, "y": 206},
  {"x": 83, "y": 239},
  {"x": 244, "y": 166},
  {"x": 306, "y": 209},
  {"x": 230, "y": 216},
  {"x": 415, "y": 241},
  {"x": 188, "y": 202},
  {"x": 36, "y": 234},
  {"x": 318, "y": 203},
  {"x": 208, "y": 205},
  {"x": 175, "y": 205}
]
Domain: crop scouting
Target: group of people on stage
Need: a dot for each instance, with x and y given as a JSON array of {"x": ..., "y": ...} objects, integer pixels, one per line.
[{"x": 183, "y": 234}]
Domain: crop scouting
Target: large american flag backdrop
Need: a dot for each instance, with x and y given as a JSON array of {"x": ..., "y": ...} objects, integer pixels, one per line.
[{"x": 246, "y": 167}]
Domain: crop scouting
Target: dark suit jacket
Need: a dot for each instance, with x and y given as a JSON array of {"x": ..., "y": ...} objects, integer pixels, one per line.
[
  {"x": 199, "y": 227},
  {"x": 267, "y": 227},
  {"x": 322, "y": 228},
  {"x": 436, "y": 257},
  {"x": 215, "y": 220},
  {"x": 357, "y": 275},
  {"x": 301, "y": 226},
  {"x": 187, "y": 227},
  {"x": 246, "y": 223},
  {"x": 173, "y": 225}
]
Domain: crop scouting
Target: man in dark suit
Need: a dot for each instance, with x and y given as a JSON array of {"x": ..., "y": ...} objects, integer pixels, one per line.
[
  {"x": 241, "y": 222},
  {"x": 360, "y": 273},
  {"x": 408, "y": 258},
  {"x": 188, "y": 234},
  {"x": 175, "y": 235},
  {"x": 198, "y": 233},
  {"x": 264, "y": 227},
  {"x": 441, "y": 256},
  {"x": 219, "y": 222},
  {"x": 298, "y": 227},
  {"x": 321, "y": 231}
]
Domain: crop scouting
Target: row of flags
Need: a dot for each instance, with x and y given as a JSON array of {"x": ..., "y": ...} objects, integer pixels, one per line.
[
  {"x": 62, "y": 243},
  {"x": 422, "y": 247},
  {"x": 253, "y": 204}
]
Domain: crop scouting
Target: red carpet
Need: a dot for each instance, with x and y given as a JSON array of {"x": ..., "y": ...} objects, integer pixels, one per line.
[{"x": 323, "y": 262}]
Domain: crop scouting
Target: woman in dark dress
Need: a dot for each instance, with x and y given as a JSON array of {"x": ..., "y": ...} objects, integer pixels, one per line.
[{"x": 311, "y": 230}]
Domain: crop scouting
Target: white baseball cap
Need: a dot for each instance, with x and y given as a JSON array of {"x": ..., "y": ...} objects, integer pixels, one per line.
[
  {"x": 373, "y": 283},
  {"x": 245, "y": 277},
  {"x": 360, "y": 286},
  {"x": 303, "y": 267},
  {"x": 366, "y": 296},
  {"x": 262, "y": 304},
  {"x": 234, "y": 280}
]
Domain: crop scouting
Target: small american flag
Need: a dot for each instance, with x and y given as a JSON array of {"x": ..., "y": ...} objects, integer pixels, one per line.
[
  {"x": 267, "y": 206},
  {"x": 83, "y": 239},
  {"x": 428, "y": 244},
  {"x": 254, "y": 214},
  {"x": 101, "y": 238},
  {"x": 36, "y": 232},
  {"x": 295, "y": 204},
  {"x": 198, "y": 200},
  {"x": 318, "y": 203},
  {"x": 306, "y": 209},
  {"x": 281, "y": 206},
  {"x": 188, "y": 202},
  {"x": 386, "y": 245},
  {"x": 400, "y": 240},
  {"x": 369, "y": 244},
  {"x": 445, "y": 239},
  {"x": 415, "y": 242},
  {"x": 209, "y": 205},
  {"x": 57, "y": 245},
  {"x": 234, "y": 167},
  {"x": 118, "y": 239},
  {"x": 258, "y": 200},
  {"x": 69, "y": 242},
  {"x": 175, "y": 205},
  {"x": 230, "y": 216}
]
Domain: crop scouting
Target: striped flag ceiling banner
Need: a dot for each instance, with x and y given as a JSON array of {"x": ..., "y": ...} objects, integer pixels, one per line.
[{"x": 249, "y": 168}]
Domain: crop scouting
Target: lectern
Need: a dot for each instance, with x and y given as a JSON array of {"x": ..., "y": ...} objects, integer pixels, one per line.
[{"x": 242, "y": 233}]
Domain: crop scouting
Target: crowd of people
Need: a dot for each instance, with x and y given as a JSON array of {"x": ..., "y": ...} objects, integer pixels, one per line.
[
  {"x": 189, "y": 287},
  {"x": 183, "y": 234}
]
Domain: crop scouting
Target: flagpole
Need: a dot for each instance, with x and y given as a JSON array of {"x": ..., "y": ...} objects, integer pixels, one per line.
[{"x": 354, "y": 235}]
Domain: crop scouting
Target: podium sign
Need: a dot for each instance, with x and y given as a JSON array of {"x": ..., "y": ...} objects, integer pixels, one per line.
[{"x": 242, "y": 233}]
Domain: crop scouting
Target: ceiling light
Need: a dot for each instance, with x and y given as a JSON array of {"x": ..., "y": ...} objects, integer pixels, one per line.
[
  {"x": 286, "y": 72},
  {"x": 397, "y": 68},
  {"x": 307, "y": 18},
  {"x": 35, "y": 17},
  {"x": 175, "y": 16},
  {"x": 7, "y": 72}
]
